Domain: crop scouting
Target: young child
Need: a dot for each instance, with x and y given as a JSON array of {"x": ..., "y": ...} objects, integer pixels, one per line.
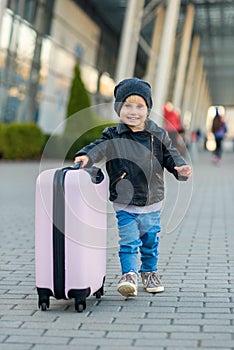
[{"x": 137, "y": 150}]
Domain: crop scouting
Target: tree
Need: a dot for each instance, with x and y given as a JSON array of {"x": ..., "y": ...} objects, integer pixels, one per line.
[
  {"x": 80, "y": 117},
  {"x": 79, "y": 97}
]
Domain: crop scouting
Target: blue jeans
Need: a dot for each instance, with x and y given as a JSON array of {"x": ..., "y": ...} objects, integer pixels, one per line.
[{"x": 138, "y": 232}]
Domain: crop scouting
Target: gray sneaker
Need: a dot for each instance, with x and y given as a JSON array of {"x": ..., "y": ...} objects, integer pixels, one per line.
[
  {"x": 127, "y": 285},
  {"x": 151, "y": 282}
]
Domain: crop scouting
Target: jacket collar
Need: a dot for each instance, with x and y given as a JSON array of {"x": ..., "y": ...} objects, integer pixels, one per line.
[{"x": 150, "y": 127}]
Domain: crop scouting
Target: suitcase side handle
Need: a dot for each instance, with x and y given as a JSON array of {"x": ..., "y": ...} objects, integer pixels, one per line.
[{"x": 96, "y": 174}]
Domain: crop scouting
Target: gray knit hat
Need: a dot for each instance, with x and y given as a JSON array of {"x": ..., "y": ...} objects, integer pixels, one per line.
[{"x": 132, "y": 86}]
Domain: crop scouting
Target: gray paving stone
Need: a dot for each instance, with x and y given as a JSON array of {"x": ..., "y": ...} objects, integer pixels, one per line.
[
  {"x": 137, "y": 335},
  {"x": 218, "y": 329},
  {"x": 79, "y": 333},
  {"x": 174, "y": 315},
  {"x": 201, "y": 321},
  {"x": 3, "y": 338},
  {"x": 218, "y": 316},
  {"x": 172, "y": 328},
  {"x": 193, "y": 347},
  {"x": 219, "y": 344},
  {"x": 61, "y": 347},
  {"x": 16, "y": 346},
  {"x": 167, "y": 342},
  {"x": 58, "y": 325},
  {"x": 10, "y": 324},
  {"x": 123, "y": 327},
  {"x": 206, "y": 310},
  {"x": 145, "y": 321},
  {"x": 201, "y": 336},
  {"x": 113, "y": 347},
  {"x": 29, "y": 339},
  {"x": 19, "y": 331},
  {"x": 23, "y": 318},
  {"x": 103, "y": 341}
]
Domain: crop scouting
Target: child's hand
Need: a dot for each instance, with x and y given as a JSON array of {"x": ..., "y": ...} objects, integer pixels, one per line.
[
  {"x": 184, "y": 170},
  {"x": 83, "y": 159}
]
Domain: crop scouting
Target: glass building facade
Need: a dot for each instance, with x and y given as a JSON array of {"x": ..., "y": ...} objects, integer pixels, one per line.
[
  {"x": 24, "y": 26},
  {"x": 40, "y": 42}
]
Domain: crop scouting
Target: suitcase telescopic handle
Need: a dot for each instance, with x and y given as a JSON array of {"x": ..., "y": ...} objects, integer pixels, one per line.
[
  {"x": 95, "y": 173},
  {"x": 77, "y": 165},
  {"x": 72, "y": 167}
]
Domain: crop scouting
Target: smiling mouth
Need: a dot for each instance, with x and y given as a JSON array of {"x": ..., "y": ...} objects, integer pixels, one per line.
[{"x": 133, "y": 118}]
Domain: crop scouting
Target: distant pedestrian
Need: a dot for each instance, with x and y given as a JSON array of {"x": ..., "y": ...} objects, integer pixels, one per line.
[
  {"x": 219, "y": 129},
  {"x": 172, "y": 122},
  {"x": 137, "y": 150}
]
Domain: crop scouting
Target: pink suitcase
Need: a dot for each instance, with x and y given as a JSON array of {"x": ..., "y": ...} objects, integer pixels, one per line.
[{"x": 70, "y": 235}]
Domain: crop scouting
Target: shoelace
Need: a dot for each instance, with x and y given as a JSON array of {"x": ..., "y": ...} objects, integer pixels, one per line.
[
  {"x": 130, "y": 278},
  {"x": 153, "y": 278}
]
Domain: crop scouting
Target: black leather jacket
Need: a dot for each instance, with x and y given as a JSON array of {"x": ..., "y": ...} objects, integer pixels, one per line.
[{"x": 135, "y": 162}]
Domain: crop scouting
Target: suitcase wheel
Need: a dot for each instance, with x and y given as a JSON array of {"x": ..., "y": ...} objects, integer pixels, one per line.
[
  {"x": 44, "y": 302},
  {"x": 80, "y": 305},
  {"x": 43, "y": 307},
  {"x": 98, "y": 294}
]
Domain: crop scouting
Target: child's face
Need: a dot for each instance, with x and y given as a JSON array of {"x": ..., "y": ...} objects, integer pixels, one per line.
[{"x": 134, "y": 112}]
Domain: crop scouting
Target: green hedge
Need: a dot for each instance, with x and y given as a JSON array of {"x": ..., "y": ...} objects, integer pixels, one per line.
[
  {"x": 27, "y": 141},
  {"x": 64, "y": 147},
  {"x": 88, "y": 137},
  {"x": 1, "y": 139},
  {"x": 21, "y": 141}
]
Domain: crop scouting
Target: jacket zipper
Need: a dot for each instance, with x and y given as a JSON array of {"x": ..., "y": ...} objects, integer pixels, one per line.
[
  {"x": 151, "y": 164},
  {"x": 119, "y": 178}
]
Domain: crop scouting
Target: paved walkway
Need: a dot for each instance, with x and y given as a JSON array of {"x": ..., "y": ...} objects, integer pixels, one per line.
[{"x": 196, "y": 265}]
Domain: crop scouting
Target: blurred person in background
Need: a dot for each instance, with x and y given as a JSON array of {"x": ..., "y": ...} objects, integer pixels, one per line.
[
  {"x": 219, "y": 129},
  {"x": 172, "y": 123}
]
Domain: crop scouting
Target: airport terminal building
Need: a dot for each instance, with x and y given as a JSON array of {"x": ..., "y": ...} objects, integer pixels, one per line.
[{"x": 160, "y": 41}]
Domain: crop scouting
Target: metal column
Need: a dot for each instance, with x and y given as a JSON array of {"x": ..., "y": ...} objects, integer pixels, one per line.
[
  {"x": 184, "y": 53},
  {"x": 191, "y": 75},
  {"x": 204, "y": 103},
  {"x": 201, "y": 112},
  {"x": 155, "y": 45},
  {"x": 3, "y": 4},
  {"x": 129, "y": 40},
  {"x": 196, "y": 90},
  {"x": 163, "y": 71}
]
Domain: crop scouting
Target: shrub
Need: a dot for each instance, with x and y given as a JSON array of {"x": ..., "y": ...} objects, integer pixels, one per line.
[
  {"x": 22, "y": 141},
  {"x": 78, "y": 105},
  {"x": 58, "y": 144},
  {"x": 88, "y": 137},
  {"x": 1, "y": 139},
  {"x": 79, "y": 98}
]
